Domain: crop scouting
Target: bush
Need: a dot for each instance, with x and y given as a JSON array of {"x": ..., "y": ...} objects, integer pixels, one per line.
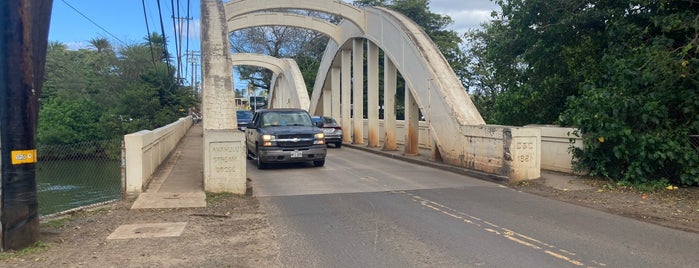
[{"x": 637, "y": 119}]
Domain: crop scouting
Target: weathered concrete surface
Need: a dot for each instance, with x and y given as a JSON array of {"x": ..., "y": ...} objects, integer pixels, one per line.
[
  {"x": 147, "y": 149},
  {"x": 555, "y": 145},
  {"x": 287, "y": 19},
  {"x": 178, "y": 181},
  {"x": 434, "y": 89},
  {"x": 288, "y": 88},
  {"x": 223, "y": 170},
  {"x": 148, "y": 230},
  {"x": 342, "y": 9},
  {"x": 224, "y": 155}
]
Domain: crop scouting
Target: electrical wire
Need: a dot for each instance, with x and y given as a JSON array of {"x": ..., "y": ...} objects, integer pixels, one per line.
[
  {"x": 186, "y": 69},
  {"x": 150, "y": 44},
  {"x": 174, "y": 26},
  {"x": 162, "y": 30},
  {"x": 93, "y": 22}
]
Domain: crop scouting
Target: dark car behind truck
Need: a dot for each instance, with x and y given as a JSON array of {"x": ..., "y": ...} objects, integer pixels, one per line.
[{"x": 284, "y": 136}]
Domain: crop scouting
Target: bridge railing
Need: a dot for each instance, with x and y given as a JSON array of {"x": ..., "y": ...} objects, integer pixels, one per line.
[
  {"x": 147, "y": 149},
  {"x": 555, "y": 143}
]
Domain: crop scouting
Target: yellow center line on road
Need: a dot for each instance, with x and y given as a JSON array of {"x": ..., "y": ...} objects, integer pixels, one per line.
[{"x": 492, "y": 228}]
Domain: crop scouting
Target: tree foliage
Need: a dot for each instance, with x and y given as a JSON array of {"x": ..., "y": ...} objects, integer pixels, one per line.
[
  {"x": 435, "y": 26},
  {"x": 623, "y": 72},
  {"x": 305, "y": 46},
  {"x": 103, "y": 92}
]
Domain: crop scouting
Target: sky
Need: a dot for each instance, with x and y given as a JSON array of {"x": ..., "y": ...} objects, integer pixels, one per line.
[{"x": 75, "y": 22}]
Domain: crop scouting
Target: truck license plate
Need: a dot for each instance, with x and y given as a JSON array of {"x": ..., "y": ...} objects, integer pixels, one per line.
[{"x": 296, "y": 154}]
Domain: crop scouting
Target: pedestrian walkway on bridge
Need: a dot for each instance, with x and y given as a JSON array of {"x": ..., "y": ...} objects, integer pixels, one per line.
[{"x": 179, "y": 181}]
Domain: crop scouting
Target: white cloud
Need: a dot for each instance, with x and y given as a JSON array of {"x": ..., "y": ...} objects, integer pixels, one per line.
[
  {"x": 468, "y": 19},
  {"x": 466, "y": 14},
  {"x": 194, "y": 29},
  {"x": 78, "y": 45}
]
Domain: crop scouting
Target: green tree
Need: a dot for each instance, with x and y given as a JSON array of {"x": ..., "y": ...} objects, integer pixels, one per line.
[
  {"x": 622, "y": 72},
  {"x": 66, "y": 121},
  {"x": 537, "y": 50},
  {"x": 637, "y": 109},
  {"x": 435, "y": 25},
  {"x": 305, "y": 46},
  {"x": 101, "y": 93}
]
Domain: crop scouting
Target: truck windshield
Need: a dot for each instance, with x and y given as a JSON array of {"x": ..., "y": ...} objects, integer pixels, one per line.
[{"x": 292, "y": 118}]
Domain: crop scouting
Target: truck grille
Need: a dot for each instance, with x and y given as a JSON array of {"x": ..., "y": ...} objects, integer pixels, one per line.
[
  {"x": 295, "y": 140},
  {"x": 294, "y": 144}
]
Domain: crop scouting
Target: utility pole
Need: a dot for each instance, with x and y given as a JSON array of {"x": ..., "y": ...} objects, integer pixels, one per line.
[
  {"x": 180, "y": 21},
  {"x": 23, "y": 44},
  {"x": 193, "y": 58}
]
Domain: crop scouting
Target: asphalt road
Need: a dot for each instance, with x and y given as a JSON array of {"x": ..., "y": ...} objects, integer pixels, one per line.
[{"x": 364, "y": 210}]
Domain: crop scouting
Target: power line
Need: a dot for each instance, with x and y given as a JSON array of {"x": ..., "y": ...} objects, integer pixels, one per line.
[
  {"x": 162, "y": 30},
  {"x": 187, "y": 32},
  {"x": 93, "y": 22},
  {"x": 174, "y": 26},
  {"x": 150, "y": 44}
]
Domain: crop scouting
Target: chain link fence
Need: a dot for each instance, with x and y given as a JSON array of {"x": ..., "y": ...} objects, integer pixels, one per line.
[
  {"x": 77, "y": 175},
  {"x": 694, "y": 140}
]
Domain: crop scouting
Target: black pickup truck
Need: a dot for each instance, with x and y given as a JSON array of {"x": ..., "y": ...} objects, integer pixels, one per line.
[{"x": 283, "y": 136}]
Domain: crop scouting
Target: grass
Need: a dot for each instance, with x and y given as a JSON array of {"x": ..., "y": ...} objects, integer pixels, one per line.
[
  {"x": 213, "y": 198},
  {"x": 55, "y": 223},
  {"x": 646, "y": 187},
  {"x": 37, "y": 247}
]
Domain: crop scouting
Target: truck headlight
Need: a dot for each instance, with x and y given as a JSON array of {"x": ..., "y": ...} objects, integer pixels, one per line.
[
  {"x": 319, "y": 138},
  {"x": 268, "y": 140}
]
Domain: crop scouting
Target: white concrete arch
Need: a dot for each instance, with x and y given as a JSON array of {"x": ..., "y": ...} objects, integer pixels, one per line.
[
  {"x": 287, "y": 88},
  {"x": 285, "y": 19},
  {"x": 260, "y": 60},
  {"x": 456, "y": 127},
  {"x": 416, "y": 57},
  {"x": 237, "y": 8},
  {"x": 457, "y": 130}
]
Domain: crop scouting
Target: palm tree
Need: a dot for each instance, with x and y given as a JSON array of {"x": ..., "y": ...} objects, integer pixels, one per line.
[
  {"x": 101, "y": 44},
  {"x": 158, "y": 44}
]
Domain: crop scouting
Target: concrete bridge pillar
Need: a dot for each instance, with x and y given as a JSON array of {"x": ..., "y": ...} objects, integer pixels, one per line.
[
  {"x": 390, "y": 75},
  {"x": 335, "y": 91},
  {"x": 224, "y": 151},
  {"x": 358, "y": 91},
  {"x": 327, "y": 99},
  {"x": 373, "y": 93},
  {"x": 346, "y": 95},
  {"x": 412, "y": 113}
]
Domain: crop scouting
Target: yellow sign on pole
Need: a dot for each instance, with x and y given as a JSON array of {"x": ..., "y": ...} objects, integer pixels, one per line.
[{"x": 24, "y": 157}]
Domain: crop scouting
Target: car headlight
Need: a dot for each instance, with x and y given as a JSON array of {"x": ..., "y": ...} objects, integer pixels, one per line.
[
  {"x": 319, "y": 138},
  {"x": 268, "y": 140}
]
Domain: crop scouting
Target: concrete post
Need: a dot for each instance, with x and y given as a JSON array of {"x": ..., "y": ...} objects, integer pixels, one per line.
[
  {"x": 412, "y": 121},
  {"x": 326, "y": 99},
  {"x": 224, "y": 151},
  {"x": 335, "y": 91},
  {"x": 389, "y": 103},
  {"x": 346, "y": 95},
  {"x": 373, "y": 93},
  {"x": 358, "y": 90}
]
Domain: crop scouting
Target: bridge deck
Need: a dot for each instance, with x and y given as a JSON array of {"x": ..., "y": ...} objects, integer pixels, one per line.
[{"x": 178, "y": 183}]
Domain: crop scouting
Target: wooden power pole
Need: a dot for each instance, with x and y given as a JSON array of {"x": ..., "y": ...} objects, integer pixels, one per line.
[{"x": 24, "y": 26}]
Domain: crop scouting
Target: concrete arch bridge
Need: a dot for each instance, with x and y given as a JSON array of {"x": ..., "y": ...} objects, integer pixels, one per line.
[{"x": 452, "y": 126}]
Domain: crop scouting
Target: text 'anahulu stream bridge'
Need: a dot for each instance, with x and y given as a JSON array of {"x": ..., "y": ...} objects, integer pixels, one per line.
[{"x": 452, "y": 127}]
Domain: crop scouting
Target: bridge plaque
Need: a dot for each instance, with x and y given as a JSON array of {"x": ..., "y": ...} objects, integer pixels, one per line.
[{"x": 224, "y": 160}]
